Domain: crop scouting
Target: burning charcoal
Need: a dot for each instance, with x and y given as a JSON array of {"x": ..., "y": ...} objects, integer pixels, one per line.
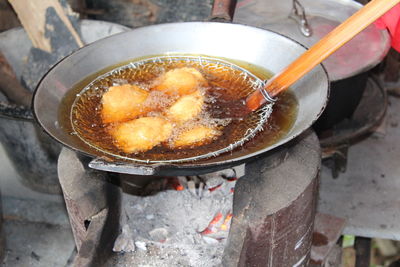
[
  {"x": 124, "y": 242},
  {"x": 159, "y": 234},
  {"x": 212, "y": 189},
  {"x": 175, "y": 184},
  {"x": 210, "y": 240},
  {"x": 141, "y": 245},
  {"x": 211, "y": 226},
  {"x": 181, "y": 220},
  {"x": 225, "y": 225}
]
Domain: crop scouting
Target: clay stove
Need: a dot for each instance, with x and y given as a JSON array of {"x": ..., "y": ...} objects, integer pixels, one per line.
[{"x": 272, "y": 215}]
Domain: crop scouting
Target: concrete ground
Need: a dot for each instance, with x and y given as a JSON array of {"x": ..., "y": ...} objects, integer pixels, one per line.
[
  {"x": 37, "y": 230},
  {"x": 367, "y": 194}
]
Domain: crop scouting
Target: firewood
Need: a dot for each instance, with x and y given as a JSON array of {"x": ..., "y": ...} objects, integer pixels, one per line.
[
  {"x": 54, "y": 31},
  {"x": 34, "y": 17}
]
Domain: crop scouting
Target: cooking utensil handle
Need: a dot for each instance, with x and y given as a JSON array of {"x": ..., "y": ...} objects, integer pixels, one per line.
[
  {"x": 128, "y": 168},
  {"x": 321, "y": 50},
  {"x": 298, "y": 14},
  {"x": 15, "y": 112},
  {"x": 223, "y": 10}
]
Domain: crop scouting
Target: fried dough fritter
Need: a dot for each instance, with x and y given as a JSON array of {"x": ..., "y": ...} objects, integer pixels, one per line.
[
  {"x": 180, "y": 81},
  {"x": 198, "y": 135},
  {"x": 187, "y": 107},
  {"x": 141, "y": 134},
  {"x": 123, "y": 102}
]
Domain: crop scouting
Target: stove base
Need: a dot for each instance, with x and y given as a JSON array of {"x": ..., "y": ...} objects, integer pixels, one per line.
[{"x": 273, "y": 211}]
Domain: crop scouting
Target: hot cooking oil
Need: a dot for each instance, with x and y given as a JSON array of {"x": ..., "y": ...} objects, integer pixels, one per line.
[{"x": 80, "y": 111}]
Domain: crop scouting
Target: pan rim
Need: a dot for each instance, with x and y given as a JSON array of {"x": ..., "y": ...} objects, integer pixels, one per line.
[{"x": 189, "y": 164}]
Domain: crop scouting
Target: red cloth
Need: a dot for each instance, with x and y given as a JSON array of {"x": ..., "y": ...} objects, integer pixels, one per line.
[{"x": 391, "y": 21}]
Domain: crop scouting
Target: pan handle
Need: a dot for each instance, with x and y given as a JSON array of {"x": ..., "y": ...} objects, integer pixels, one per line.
[
  {"x": 102, "y": 165},
  {"x": 298, "y": 14},
  {"x": 13, "y": 111},
  {"x": 223, "y": 10}
]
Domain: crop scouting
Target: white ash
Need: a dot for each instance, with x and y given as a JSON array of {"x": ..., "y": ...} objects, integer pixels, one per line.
[
  {"x": 141, "y": 245},
  {"x": 210, "y": 240},
  {"x": 214, "y": 182},
  {"x": 168, "y": 224}
]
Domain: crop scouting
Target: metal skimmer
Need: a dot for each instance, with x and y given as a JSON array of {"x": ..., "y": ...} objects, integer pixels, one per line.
[{"x": 236, "y": 81}]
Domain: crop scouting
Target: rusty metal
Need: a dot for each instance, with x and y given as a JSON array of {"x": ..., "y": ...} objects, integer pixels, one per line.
[
  {"x": 327, "y": 231},
  {"x": 273, "y": 220},
  {"x": 88, "y": 196},
  {"x": 223, "y": 10},
  {"x": 369, "y": 113},
  {"x": 335, "y": 158}
]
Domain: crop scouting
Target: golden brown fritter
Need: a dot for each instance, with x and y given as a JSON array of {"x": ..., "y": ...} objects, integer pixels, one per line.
[
  {"x": 199, "y": 135},
  {"x": 123, "y": 102},
  {"x": 181, "y": 81},
  {"x": 141, "y": 134},
  {"x": 185, "y": 108}
]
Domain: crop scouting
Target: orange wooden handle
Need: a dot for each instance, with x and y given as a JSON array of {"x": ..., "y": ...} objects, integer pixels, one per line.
[{"x": 322, "y": 49}]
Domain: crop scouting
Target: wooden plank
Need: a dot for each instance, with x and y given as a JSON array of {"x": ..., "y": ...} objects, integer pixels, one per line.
[{"x": 32, "y": 15}]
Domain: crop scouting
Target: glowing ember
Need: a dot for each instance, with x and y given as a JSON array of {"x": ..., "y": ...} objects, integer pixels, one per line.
[
  {"x": 182, "y": 221},
  {"x": 211, "y": 226},
  {"x": 175, "y": 184},
  {"x": 214, "y": 188},
  {"x": 225, "y": 225}
]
